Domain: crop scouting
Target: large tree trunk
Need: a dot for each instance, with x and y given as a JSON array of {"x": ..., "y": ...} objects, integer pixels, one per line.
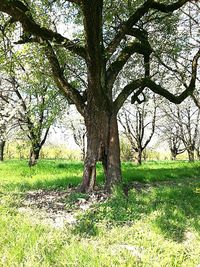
[
  {"x": 2, "y": 146},
  {"x": 34, "y": 155},
  {"x": 102, "y": 145},
  {"x": 111, "y": 162}
]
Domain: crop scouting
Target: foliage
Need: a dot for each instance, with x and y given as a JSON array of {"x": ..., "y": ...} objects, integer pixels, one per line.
[{"x": 113, "y": 53}]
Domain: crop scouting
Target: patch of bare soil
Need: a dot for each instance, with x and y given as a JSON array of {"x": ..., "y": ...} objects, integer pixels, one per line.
[{"x": 58, "y": 208}]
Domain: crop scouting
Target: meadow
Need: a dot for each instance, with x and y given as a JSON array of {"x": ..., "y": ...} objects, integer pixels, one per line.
[{"x": 155, "y": 223}]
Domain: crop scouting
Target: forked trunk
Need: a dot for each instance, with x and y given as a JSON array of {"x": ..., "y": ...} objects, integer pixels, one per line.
[
  {"x": 34, "y": 155},
  {"x": 2, "y": 146},
  {"x": 102, "y": 145}
]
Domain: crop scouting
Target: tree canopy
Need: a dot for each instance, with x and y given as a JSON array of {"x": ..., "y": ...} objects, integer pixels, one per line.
[{"x": 110, "y": 38}]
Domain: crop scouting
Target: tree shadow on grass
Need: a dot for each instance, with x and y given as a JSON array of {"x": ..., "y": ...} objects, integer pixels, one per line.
[
  {"x": 172, "y": 210},
  {"x": 149, "y": 174},
  {"x": 48, "y": 175}
]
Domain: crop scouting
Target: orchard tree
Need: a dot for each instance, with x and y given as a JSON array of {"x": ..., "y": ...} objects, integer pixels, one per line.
[
  {"x": 171, "y": 133},
  {"x": 189, "y": 120},
  {"x": 38, "y": 109},
  {"x": 79, "y": 135},
  {"x": 183, "y": 122},
  {"x": 8, "y": 111},
  {"x": 110, "y": 37},
  {"x": 138, "y": 125},
  {"x": 39, "y": 104}
]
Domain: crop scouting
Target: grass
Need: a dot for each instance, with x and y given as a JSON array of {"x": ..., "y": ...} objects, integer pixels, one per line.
[{"x": 157, "y": 225}]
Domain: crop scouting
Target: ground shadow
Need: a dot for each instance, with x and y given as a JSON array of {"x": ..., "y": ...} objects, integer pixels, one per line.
[{"x": 172, "y": 209}]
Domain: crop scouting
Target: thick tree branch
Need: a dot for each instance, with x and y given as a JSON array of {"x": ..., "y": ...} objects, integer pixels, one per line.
[
  {"x": 72, "y": 94},
  {"x": 158, "y": 89},
  {"x": 20, "y": 12},
  {"x": 118, "y": 64},
  {"x": 78, "y": 2},
  {"x": 45, "y": 136},
  {"x": 142, "y": 47},
  {"x": 127, "y": 90},
  {"x": 136, "y": 16}
]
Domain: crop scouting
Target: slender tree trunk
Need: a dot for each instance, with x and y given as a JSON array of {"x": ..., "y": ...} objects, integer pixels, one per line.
[
  {"x": 83, "y": 148},
  {"x": 139, "y": 157},
  {"x": 173, "y": 155},
  {"x": 198, "y": 153},
  {"x": 2, "y": 146},
  {"x": 190, "y": 155},
  {"x": 34, "y": 155},
  {"x": 102, "y": 145}
]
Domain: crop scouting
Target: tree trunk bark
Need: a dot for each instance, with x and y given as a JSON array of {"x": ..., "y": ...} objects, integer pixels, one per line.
[
  {"x": 102, "y": 145},
  {"x": 173, "y": 155},
  {"x": 190, "y": 155},
  {"x": 198, "y": 153},
  {"x": 139, "y": 157},
  {"x": 2, "y": 146},
  {"x": 34, "y": 155},
  {"x": 111, "y": 161}
]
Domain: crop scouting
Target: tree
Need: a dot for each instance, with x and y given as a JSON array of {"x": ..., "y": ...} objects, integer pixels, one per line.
[
  {"x": 108, "y": 38},
  {"x": 79, "y": 134},
  {"x": 188, "y": 119},
  {"x": 39, "y": 102},
  {"x": 139, "y": 126},
  {"x": 171, "y": 131},
  {"x": 7, "y": 114},
  {"x": 184, "y": 121},
  {"x": 39, "y": 107}
]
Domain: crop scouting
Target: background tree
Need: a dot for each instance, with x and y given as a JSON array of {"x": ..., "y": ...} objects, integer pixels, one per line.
[
  {"x": 138, "y": 125},
  {"x": 38, "y": 101},
  {"x": 188, "y": 119},
  {"x": 170, "y": 131},
  {"x": 107, "y": 39},
  {"x": 79, "y": 135},
  {"x": 7, "y": 116},
  {"x": 185, "y": 120}
]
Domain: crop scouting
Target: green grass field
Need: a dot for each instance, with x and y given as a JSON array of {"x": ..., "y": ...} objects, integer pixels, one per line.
[{"x": 157, "y": 224}]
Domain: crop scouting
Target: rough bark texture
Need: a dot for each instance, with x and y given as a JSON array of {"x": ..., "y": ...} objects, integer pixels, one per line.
[
  {"x": 2, "y": 146},
  {"x": 198, "y": 153},
  {"x": 102, "y": 145},
  {"x": 34, "y": 155},
  {"x": 139, "y": 157},
  {"x": 190, "y": 155},
  {"x": 173, "y": 155}
]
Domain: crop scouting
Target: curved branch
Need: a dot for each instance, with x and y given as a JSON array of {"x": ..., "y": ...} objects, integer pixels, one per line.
[
  {"x": 136, "y": 16},
  {"x": 156, "y": 88},
  {"x": 72, "y": 94},
  {"x": 118, "y": 64},
  {"x": 127, "y": 90},
  {"x": 21, "y": 12}
]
